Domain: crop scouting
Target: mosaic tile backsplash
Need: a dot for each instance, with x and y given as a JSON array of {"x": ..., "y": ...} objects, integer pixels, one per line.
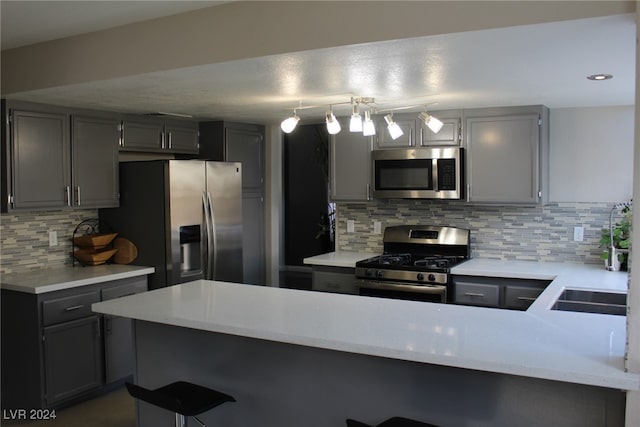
[
  {"x": 497, "y": 232},
  {"x": 24, "y": 239}
]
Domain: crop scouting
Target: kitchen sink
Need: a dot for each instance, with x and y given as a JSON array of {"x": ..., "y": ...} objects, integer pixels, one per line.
[{"x": 586, "y": 301}]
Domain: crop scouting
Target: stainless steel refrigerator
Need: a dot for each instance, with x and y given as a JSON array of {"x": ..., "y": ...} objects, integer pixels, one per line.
[{"x": 184, "y": 216}]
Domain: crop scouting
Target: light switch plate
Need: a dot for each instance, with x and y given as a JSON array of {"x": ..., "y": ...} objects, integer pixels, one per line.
[
  {"x": 578, "y": 234},
  {"x": 351, "y": 226},
  {"x": 53, "y": 238},
  {"x": 377, "y": 227}
]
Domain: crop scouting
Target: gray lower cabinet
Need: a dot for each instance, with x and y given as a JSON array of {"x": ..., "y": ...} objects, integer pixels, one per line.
[
  {"x": 497, "y": 292},
  {"x": 507, "y": 155},
  {"x": 349, "y": 166},
  {"x": 72, "y": 358},
  {"x": 334, "y": 279},
  {"x": 56, "y": 351}
]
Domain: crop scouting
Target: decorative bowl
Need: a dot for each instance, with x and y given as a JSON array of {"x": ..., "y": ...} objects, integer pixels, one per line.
[{"x": 95, "y": 241}]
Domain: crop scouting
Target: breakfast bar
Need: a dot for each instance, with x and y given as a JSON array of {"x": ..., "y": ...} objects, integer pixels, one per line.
[{"x": 293, "y": 357}]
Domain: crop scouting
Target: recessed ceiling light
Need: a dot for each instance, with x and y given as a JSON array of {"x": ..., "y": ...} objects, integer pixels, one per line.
[{"x": 600, "y": 77}]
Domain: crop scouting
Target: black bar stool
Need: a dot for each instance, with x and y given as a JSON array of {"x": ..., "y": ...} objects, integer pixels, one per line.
[
  {"x": 183, "y": 398},
  {"x": 391, "y": 422}
]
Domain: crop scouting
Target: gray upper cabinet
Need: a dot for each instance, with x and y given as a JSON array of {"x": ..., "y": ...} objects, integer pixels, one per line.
[
  {"x": 507, "y": 155},
  {"x": 350, "y": 166},
  {"x": 159, "y": 135},
  {"x": 247, "y": 147},
  {"x": 407, "y": 123},
  {"x": 55, "y": 159},
  {"x": 450, "y": 134},
  {"x": 95, "y": 161},
  {"x": 38, "y": 175}
]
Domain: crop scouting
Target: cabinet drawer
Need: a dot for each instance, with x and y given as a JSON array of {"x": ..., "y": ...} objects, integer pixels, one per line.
[
  {"x": 477, "y": 294},
  {"x": 519, "y": 297},
  {"x": 128, "y": 287},
  {"x": 334, "y": 282},
  {"x": 68, "y": 308}
]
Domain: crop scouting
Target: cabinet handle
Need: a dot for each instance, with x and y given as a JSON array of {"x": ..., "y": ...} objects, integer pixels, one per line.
[
  {"x": 78, "y": 195},
  {"x": 74, "y": 307},
  {"x": 473, "y": 294},
  {"x": 526, "y": 298},
  {"x": 368, "y": 191},
  {"x": 170, "y": 141},
  {"x": 162, "y": 142},
  {"x": 67, "y": 195}
]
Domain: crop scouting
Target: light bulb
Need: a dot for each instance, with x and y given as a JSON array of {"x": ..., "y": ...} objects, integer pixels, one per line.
[
  {"x": 432, "y": 123},
  {"x": 394, "y": 130},
  {"x": 290, "y": 123},
  {"x": 368, "y": 128},
  {"x": 355, "y": 125},
  {"x": 333, "y": 126}
]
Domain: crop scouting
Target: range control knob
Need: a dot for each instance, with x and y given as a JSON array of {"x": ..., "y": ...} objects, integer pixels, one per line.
[
  {"x": 420, "y": 276},
  {"x": 432, "y": 277},
  {"x": 368, "y": 273},
  {"x": 379, "y": 273}
]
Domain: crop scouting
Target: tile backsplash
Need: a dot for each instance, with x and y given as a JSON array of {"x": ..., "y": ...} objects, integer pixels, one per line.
[
  {"x": 498, "y": 232},
  {"x": 24, "y": 239}
]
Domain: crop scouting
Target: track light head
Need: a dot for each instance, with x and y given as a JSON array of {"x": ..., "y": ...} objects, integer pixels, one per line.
[
  {"x": 290, "y": 123},
  {"x": 432, "y": 122},
  {"x": 333, "y": 126},
  {"x": 355, "y": 125},
  {"x": 368, "y": 127},
  {"x": 394, "y": 130}
]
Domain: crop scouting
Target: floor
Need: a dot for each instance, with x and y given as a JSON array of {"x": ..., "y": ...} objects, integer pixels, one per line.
[{"x": 116, "y": 409}]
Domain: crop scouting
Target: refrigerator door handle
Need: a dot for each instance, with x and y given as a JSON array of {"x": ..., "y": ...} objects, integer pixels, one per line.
[
  {"x": 213, "y": 244},
  {"x": 207, "y": 236}
]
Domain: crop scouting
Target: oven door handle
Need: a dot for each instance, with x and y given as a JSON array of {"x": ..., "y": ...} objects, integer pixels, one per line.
[{"x": 424, "y": 289}]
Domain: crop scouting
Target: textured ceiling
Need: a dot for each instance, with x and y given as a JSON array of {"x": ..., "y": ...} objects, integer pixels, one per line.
[{"x": 539, "y": 64}]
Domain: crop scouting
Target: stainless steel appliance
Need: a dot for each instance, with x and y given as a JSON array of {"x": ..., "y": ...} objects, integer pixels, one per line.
[
  {"x": 185, "y": 217},
  {"x": 415, "y": 264},
  {"x": 418, "y": 173}
]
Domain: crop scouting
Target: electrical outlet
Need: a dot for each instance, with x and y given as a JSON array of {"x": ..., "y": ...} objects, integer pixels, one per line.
[
  {"x": 53, "y": 238},
  {"x": 351, "y": 226},
  {"x": 578, "y": 234},
  {"x": 377, "y": 227}
]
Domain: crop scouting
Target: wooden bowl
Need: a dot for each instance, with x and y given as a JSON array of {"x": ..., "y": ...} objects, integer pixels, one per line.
[
  {"x": 94, "y": 257},
  {"x": 95, "y": 241}
]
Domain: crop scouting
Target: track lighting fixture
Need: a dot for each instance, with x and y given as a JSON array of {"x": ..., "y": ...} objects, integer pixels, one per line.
[
  {"x": 355, "y": 125},
  {"x": 368, "y": 127},
  {"x": 394, "y": 130},
  {"x": 333, "y": 125},
  {"x": 290, "y": 123},
  {"x": 432, "y": 123}
]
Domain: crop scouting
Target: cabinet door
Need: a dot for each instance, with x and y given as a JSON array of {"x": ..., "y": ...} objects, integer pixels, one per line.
[
  {"x": 95, "y": 162},
  {"x": 503, "y": 158},
  {"x": 141, "y": 135},
  {"x": 73, "y": 360},
  {"x": 181, "y": 138},
  {"x": 247, "y": 147},
  {"x": 350, "y": 166},
  {"x": 40, "y": 153},
  {"x": 408, "y": 125}
]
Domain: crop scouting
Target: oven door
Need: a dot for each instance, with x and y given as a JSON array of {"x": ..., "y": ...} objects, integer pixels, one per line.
[{"x": 402, "y": 290}]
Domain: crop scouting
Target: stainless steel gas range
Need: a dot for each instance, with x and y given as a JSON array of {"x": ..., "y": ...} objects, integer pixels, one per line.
[{"x": 416, "y": 263}]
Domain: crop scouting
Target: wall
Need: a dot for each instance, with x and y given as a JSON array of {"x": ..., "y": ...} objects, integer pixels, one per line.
[{"x": 24, "y": 240}]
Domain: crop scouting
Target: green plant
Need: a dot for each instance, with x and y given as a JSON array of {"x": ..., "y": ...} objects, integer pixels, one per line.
[{"x": 621, "y": 232}]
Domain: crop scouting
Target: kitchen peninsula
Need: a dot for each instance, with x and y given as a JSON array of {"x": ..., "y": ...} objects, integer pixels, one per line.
[{"x": 293, "y": 357}]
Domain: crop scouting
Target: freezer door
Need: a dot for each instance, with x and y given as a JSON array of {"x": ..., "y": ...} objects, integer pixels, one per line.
[
  {"x": 224, "y": 197},
  {"x": 185, "y": 253}
]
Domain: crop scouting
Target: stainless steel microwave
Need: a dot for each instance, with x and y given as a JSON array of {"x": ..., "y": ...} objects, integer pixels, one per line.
[{"x": 418, "y": 173}]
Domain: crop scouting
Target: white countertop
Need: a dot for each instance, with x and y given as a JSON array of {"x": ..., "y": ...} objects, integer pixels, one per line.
[
  {"x": 338, "y": 259},
  {"x": 56, "y": 279},
  {"x": 579, "y": 348}
]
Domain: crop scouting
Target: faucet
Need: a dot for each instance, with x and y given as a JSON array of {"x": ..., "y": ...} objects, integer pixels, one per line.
[{"x": 612, "y": 249}]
